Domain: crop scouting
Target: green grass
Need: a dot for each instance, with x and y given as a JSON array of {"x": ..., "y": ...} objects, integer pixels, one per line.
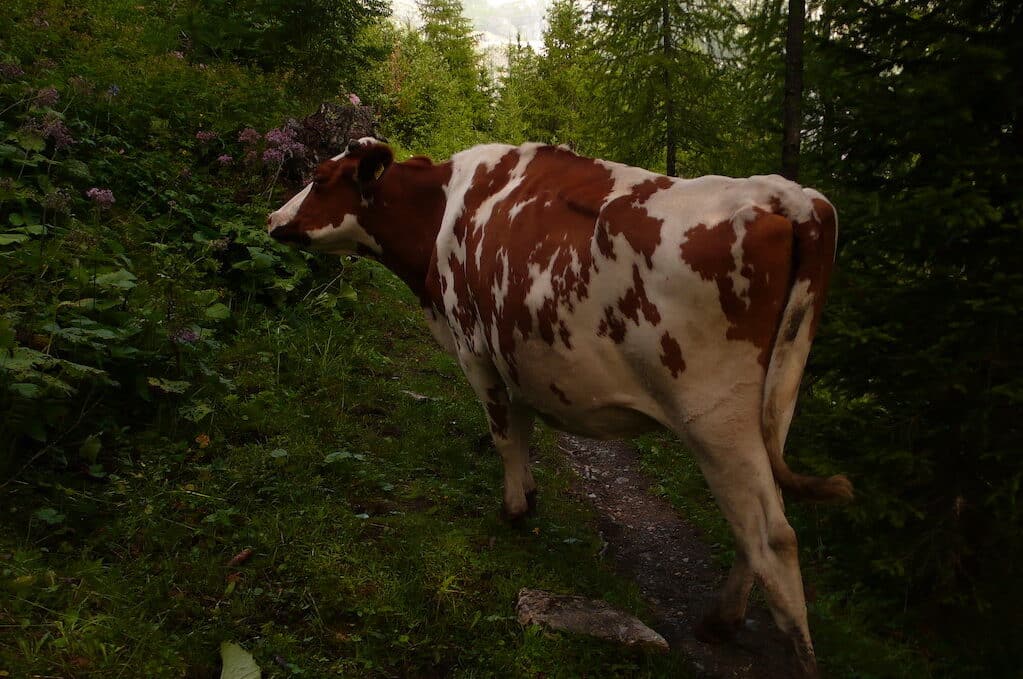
[{"x": 372, "y": 516}]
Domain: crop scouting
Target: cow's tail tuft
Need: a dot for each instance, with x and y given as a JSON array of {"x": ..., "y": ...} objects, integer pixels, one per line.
[{"x": 813, "y": 258}]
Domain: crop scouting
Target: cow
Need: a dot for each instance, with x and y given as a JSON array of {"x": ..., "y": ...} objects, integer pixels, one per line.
[{"x": 608, "y": 300}]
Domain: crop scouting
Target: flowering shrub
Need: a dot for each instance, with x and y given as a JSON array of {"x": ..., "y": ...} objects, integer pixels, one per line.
[
  {"x": 46, "y": 97},
  {"x": 104, "y": 198},
  {"x": 50, "y": 127},
  {"x": 206, "y": 136}
]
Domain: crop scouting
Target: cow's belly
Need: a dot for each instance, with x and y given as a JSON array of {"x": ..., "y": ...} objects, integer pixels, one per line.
[
  {"x": 590, "y": 391},
  {"x": 606, "y": 422}
]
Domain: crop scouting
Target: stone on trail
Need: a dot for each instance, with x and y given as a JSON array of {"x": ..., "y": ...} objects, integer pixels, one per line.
[{"x": 593, "y": 617}]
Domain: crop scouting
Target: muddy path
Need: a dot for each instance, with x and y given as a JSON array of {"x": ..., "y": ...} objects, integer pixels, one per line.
[{"x": 670, "y": 562}]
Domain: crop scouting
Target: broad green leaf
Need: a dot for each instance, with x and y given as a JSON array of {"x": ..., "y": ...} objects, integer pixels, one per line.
[
  {"x": 11, "y": 238},
  {"x": 121, "y": 279},
  {"x": 26, "y": 389},
  {"x": 237, "y": 663},
  {"x": 90, "y": 448},
  {"x": 49, "y": 515},
  {"x": 218, "y": 311},
  {"x": 168, "y": 386}
]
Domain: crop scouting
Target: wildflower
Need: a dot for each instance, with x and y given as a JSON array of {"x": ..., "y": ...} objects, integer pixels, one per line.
[
  {"x": 47, "y": 97},
  {"x": 354, "y": 98},
  {"x": 10, "y": 70},
  {"x": 203, "y": 440},
  {"x": 113, "y": 91},
  {"x": 248, "y": 136},
  {"x": 273, "y": 156},
  {"x": 219, "y": 245},
  {"x": 51, "y": 127},
  {"x": 178, "y": 54},
  {"x": 45, "y": 65},
  {"x": 283, "y": 143},
  {"x": 103, "y": 198},
  {"x": 225, "y": 159},
  {"x": 184, "y": 336},
  {"x": 205, "y": 135}
]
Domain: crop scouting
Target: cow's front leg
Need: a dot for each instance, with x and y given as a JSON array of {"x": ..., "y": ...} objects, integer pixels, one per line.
[{"x": 511, "y": 425}]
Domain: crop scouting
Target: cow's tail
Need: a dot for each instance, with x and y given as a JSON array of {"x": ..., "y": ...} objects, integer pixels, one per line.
[{"x": 813, "y": 255}]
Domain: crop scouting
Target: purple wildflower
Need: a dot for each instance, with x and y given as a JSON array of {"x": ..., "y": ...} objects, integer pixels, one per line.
[
  {"x": 184, "y": 336},
  {"x": 273, "y": 156},
  {"x": 113, "y": 91},
  {"x": 225, "y": 159},
  {"x": 51, "y": 127},
  {"x": 205, "y": 135},
  {"x": 354, "y": 98},
  {"x": 46, "y": 97},
  {"x": 282, "y": 143},
  {"x": 103, "y": 198},
  {"x": 249, "y": 136},
  {"x": 10, "y": 70}
]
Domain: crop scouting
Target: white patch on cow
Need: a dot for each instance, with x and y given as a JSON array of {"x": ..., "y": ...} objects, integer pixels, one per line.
[
  {"x": 343, "y": 238},
  {"x": 740, "y": 283},
  {"x": 518, "y": 207},
  {"x": 624, "y": 178},
  {"x": 287, "y": 213},
  {"x": 500, "y": 288},
  {"x": 483, "y": 213}
]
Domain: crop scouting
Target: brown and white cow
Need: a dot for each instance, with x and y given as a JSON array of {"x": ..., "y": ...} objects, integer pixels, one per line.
[{"x": 607, "y": 300}]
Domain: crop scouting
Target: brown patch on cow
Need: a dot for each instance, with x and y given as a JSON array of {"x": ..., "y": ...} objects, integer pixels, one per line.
[
  {"x": 497, "y": 410},
  {"x": 671, "y": 355},
  {"x": 560, "y": 394},
  {"x": 635, "y": 299},
  {"x": 815, "y": 254},
  {"x": 627, "y": 215},
  {"x": 603, "y": 239},
  {"x": 766, "y": 264},
  {"x": 564, "y": 251},
  {"x": 612, "y": 326},
  {"x": 796, "y": 320}
]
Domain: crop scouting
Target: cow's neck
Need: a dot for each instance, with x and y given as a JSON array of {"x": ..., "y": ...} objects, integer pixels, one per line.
[{"x": 404, "y": 217}]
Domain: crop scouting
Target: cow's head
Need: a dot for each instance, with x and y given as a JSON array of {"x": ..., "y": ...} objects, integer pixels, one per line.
[{"x": 331, "y": 214}]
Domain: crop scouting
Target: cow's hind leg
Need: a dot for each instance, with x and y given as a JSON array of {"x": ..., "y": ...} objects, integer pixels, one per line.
[{"x": 735, "y": 463}]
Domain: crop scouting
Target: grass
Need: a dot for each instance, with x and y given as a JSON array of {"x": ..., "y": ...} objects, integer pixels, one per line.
[{"x": 371, "y": 513}]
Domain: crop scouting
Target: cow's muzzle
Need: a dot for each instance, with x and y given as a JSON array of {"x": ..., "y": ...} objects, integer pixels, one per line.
[{"x": 289, "y": 233}]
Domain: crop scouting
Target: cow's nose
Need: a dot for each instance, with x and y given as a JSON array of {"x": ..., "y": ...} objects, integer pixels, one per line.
[{"x": 289, "y": 233}]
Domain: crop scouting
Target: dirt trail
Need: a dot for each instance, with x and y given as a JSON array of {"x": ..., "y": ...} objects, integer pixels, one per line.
[{"x": 670, "y": 562}]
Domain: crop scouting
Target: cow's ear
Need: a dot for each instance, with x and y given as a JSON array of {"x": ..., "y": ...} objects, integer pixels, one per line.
[{"x": 374, "y": 162}]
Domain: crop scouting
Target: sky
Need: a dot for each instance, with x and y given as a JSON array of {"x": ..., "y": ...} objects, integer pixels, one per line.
[{"x": 497, "y": 21}]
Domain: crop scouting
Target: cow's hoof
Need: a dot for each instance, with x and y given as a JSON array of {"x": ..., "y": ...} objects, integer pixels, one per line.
[
  {"x": 514, "y": 517},
  {"x": 531, "y": 502},
  {"x": 712, "y": 629}
]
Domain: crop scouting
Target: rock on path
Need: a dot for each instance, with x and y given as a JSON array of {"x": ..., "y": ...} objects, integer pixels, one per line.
[{"x": 669, "y": 561}]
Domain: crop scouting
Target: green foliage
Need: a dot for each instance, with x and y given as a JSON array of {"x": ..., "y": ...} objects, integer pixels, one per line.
[{"x": 321, "y": 40}]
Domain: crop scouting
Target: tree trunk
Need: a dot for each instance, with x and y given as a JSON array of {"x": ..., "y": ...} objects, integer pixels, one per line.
[
  {"x": 671, "y": 143},
  {"x": 792, "y": 108}
]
